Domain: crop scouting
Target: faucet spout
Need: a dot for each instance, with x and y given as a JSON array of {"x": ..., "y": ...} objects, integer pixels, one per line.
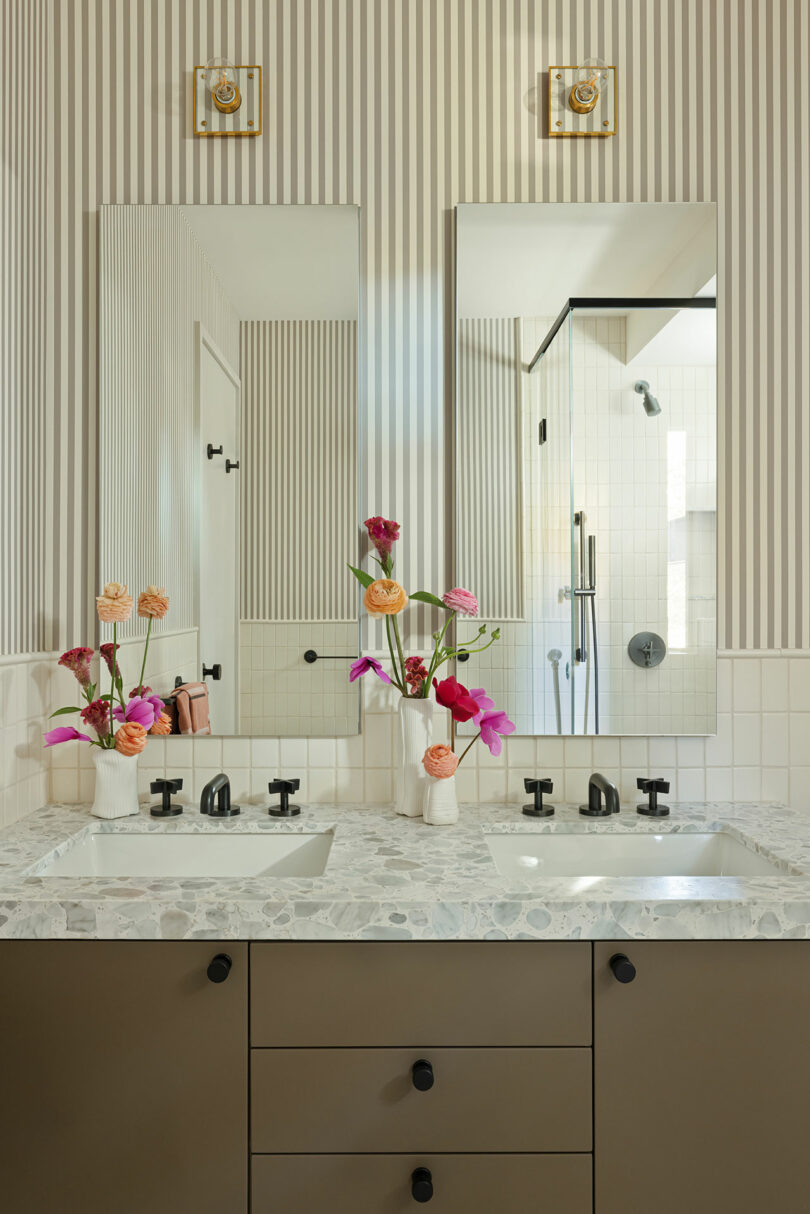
[
  {"x": 220, "y": 785},
  {"x": 603, "y": 797}
]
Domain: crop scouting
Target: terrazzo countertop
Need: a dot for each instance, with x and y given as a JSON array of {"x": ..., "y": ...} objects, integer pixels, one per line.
[{"x": 394, "y": 878}]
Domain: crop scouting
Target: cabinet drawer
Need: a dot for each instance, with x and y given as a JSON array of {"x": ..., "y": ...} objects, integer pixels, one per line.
[
  {"x": 381, "y": 1184},
  {"x": 455, "y": 993},
  {"x": 365, "y": 1100}
]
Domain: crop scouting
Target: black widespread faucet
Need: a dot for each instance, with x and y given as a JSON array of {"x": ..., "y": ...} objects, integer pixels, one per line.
[
  {"x": 220, "y": 785},
  {"x": 600, "y": 786}
]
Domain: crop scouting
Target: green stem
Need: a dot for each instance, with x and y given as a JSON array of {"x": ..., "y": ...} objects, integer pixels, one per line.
[
  {"x": 397, "y": 682},
  {"x": 400, "y": 651},
  {"x": 472, "y": 743},
  {"x": 452, "y": 653},
  {"x": 114, "y": 668},
  {"x": 145, "y": 651},
  {"x": 435, "y": 661}
]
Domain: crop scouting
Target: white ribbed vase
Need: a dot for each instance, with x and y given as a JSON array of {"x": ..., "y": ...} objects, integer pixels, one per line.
[
  {"x": 440, "y": 805},
  {"x": 415, "y": 735},
  {"x": 116, "y": 784}
]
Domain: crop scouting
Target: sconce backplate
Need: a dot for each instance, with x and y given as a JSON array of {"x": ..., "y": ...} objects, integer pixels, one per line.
[
  {"x": 563, "y": 120},
  {"x": 247, "y": 120}
]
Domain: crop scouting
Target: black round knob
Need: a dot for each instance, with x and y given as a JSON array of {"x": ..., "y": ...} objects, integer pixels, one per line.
[
  {"x": 623, "y": 968},
  {"x": 219, "y": 968},
  {"x": 422, "y": 1075},
  {"x": 421, "y": 1184}
]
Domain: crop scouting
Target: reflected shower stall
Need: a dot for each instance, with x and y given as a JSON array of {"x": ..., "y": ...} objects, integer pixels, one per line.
[{"x": 619, "y": 402}]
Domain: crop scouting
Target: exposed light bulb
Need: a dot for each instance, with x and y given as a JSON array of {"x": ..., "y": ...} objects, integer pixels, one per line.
[{"x": 220, "y": 80}]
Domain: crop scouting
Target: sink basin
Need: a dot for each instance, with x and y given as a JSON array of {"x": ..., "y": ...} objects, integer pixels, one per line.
[
  {"x": 713, "y": 854},
  {"x": 156, "y": 854}
]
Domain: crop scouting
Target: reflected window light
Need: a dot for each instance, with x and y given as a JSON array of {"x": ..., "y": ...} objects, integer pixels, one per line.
[{"x": 676, "y": 516}]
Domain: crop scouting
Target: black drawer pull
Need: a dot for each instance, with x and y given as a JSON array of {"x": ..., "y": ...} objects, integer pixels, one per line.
[
  {"x": 423, "y": 1077},
  {"x": 623, "y": 968},
  {"x": 421, "y": 1184},
  {"x": 219, "y": 968}
]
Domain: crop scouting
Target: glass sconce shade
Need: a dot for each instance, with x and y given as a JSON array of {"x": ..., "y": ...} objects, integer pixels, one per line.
[
  {"x": 592, "y": 76},
  {"x": 220, "y": 80}
]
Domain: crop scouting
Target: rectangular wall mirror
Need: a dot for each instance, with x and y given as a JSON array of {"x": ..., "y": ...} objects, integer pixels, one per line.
[
  {"x": 228, "y": 381},
  {"x": 586, "y": 461}
]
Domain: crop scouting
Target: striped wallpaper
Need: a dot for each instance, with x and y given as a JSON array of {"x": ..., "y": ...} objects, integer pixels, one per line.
[
  {"x": 407, "y": 109},
  {"x": 489, "y": 464},
  {"x": 155, "y": 284},
  {"x": 299, "y": 489}
]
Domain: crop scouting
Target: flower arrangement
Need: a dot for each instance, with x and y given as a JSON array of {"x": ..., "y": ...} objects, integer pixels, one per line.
[
  {"x": 136, "y": 716},
  {"x": 415, "y": 677},
  {"x": 385, "y": 598}
]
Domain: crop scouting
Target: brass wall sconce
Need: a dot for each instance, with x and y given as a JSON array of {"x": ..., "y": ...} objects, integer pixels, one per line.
[
  {"x": 582, "y": 99},
  {"x": 227, "y": 98}
]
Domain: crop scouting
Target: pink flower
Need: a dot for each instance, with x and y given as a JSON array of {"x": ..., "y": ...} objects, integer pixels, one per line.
[
  {"x": 461, "y": 601},
  {"x": 78, "y": 662},
  {"x": 482, "y": 700},
  {"x": 138, "y": 711},
  {"x": 492, "y": 725},
  {"x": 362, "y": 665},
  {"x": 455, "y": 696},
  {"x": 97, "y": 716},
  {"x": 108, "y": 652},
  {"x": 383, "y": 534},
  {"x": 65, "y": 733},
  {"x": 415, "y": 673}
]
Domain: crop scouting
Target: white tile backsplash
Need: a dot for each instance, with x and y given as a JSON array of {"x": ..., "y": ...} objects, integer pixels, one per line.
[{"x": 761, "y": 749}]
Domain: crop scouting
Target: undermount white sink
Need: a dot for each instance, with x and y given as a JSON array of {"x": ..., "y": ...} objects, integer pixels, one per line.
[
  {"x": 155, "y": 854},
  {"x": 711, "y": 854}
]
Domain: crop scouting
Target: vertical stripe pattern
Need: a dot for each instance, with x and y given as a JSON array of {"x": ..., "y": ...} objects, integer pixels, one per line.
[
  {"x": 407, "y": 109},
  {"x": 489, "y": 551},
  {"x": 299, "y": 490}
]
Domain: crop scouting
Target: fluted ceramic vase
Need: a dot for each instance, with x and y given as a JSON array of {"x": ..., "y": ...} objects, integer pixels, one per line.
[
  {"x": 415, "y": 735},
  {"x": 440, "y": 806},
  {"x": 116, "y": 784}
]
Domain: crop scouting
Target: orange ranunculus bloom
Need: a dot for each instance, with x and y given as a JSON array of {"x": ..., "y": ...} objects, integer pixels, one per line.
[
  {"x": 440, "y": 762},
  {"x": 385, "y": 597},
  {"x": 162, "y": 725},
  {"x": 153, "y": 603},
  {"x": 114, "y": 604},
  {"x": 130, "y": 739}
]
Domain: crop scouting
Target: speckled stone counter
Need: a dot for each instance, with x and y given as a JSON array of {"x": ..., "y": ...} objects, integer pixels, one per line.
[{"x": 393, "y": 878}]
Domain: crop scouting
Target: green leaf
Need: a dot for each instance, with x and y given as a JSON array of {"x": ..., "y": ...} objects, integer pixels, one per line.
[
  {"x": 365, "y": 579},
  {"x": 60, "y": 712},
  {"x": 424, "y": 596}
]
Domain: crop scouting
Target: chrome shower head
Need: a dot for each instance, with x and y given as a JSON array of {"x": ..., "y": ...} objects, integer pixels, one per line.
[
  {"x": 554, "y": 655},
  {"x": 651, "y": 405}
]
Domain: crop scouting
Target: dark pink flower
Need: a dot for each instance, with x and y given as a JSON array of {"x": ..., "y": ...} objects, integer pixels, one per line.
[
  {"x": 455, "y": 696},
  {"x": 461, "y": 601},
  {"x": 78, "y": 662},
  {"x": 140, "y": 711},
  {"x": 482, "y": 700},
  {"x": 383, "y": 534},
  {"x": 362, "y": 665},
  {"x": 415, "y": 673},
  {"x": 108, "y": 653},
  {"x": 65, "y": 733},
  {"x": 492, "y": 725},
  {"x": 140, "y": 691},
  {"x": 97, "y": 716}
]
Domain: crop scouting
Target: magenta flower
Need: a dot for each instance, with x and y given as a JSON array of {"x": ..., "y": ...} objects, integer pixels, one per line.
[
  {"x": 77, "y": 661},
  {"x": 383, "y": 534},
  {"x": 482, "y": 700},
  {"x": 362, "y": 665},
  {"x": 139, "y": 710},
  {"x": 108, "y": 653},
  {"x": 97, "y": 716},
  {"x": 492, "y": 725},
  {"x": 65, "y": 733},
  {"x": 461, "y": 601}
]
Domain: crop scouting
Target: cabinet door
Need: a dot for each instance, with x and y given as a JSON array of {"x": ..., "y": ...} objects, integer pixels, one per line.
[
  {"x": 124, "y": 1078},
  {"x": 702, "y": 1078}
]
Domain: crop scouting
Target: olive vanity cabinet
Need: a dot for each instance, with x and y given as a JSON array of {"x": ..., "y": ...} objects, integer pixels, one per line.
[
  {"x": 123, "y": 1085},
  {"x": 342, "y": 1077},
  {"x": 702, "y": 1078}
]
